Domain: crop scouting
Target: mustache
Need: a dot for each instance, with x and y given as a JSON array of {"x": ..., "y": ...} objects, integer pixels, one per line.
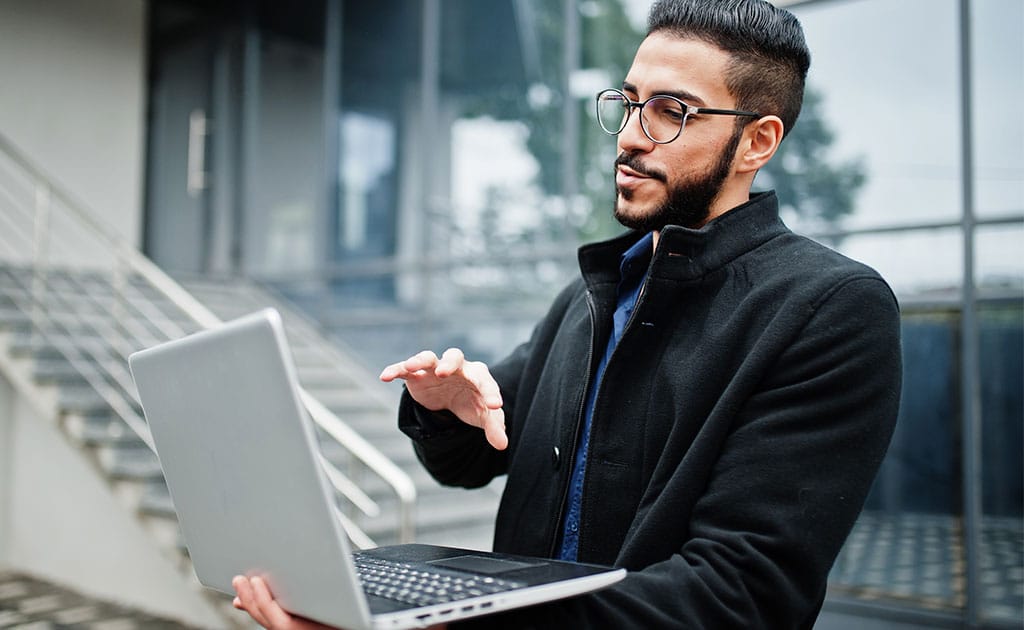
[{"x": 632, "y": 161}]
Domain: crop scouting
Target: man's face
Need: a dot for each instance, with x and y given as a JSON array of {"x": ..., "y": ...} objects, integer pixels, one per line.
[{"x": 680, "y": 182}]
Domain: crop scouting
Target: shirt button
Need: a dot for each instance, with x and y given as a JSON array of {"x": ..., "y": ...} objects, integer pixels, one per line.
[
  {"x": 574, "y": 527},
  {"x": 555, "y": 458}
]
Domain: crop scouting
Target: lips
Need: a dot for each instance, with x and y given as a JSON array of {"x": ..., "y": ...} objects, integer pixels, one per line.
[
  {"x": 626, "y": 177},
  {"x": 629, "y": 172}
]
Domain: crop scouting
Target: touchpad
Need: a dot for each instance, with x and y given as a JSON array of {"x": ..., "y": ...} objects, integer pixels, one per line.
[{"x": 482, "y": 564}]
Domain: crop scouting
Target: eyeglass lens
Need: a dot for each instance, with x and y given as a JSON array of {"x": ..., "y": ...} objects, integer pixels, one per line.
[{"x": 662, "y": 118}]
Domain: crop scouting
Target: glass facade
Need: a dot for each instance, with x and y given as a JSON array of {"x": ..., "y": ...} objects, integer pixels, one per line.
[{"x": 418, "y": 173}]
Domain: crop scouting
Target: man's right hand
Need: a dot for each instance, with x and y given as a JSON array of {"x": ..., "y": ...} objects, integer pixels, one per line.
[{"x": 465, "y": 388}]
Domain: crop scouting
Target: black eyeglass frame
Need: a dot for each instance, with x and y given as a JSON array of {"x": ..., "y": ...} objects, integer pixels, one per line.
[{"x": 688, "y": 110}]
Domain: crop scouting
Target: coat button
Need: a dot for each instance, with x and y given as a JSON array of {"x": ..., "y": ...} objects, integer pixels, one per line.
[{"x": 555, "y": 458}]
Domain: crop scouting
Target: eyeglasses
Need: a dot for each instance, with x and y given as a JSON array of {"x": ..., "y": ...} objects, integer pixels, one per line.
[{"x": 662, "y": 117}]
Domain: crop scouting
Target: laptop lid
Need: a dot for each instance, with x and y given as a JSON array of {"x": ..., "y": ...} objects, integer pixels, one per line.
[{"x": 220, "y": 405}]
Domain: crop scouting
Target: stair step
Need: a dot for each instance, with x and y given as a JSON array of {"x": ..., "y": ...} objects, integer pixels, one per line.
[
  {"x": 323, "y": 376},
  {"x": 53, "y": 344},
  {"x": 82, "y": 400},
  {"x": 58, "y": 370},
  {"x": 156, "y": 501},
  {"x": 86, "y": 401},
  {"x": 443, "y": 509},
  {"x": 101, "y": 430},
  {"x": 13, "y": 318},
  {"x": 129, "y": 462},
  {"x": 348, "y": 400}
]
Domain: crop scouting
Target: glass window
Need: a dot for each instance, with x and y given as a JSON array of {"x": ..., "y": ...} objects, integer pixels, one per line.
[
  {"x": 922, "y": 263},
  {"x": 377, "y": 123},
  {"x": 367, "y": 183},
  {"x": 998, "y": 261},
  {"x": 283, "y": 221},
  {"x": 998, "y": 84},
  {"x": 505, "y": 120},
  {"x": 501, "y": 115},
  {"x": 1000, "y": 276},
  {"x": 1001, "y": 562},
  {"x": 610, "y": 32},
  {"x": 891, "y": 102}
]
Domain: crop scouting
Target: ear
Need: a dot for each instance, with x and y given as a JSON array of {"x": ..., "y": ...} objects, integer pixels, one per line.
[{"x": 760, "y": 141}]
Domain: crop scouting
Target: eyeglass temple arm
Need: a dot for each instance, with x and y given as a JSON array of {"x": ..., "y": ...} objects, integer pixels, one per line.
[{"x": 725, "y": 112}]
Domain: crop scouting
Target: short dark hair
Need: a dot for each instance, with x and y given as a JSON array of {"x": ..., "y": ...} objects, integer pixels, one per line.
[{"x": 769, "y": 55}]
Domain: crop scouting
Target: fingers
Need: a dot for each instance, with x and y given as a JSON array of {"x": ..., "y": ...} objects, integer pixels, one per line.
[
  {"x": 494, "y": 429},
  {"x": 246, "y": 600},
  {"x": 424, "y": 362},
  {"x": 476, "y": 372},
  {"x": 255, "y": 598},
  {"x": 480, "y": 376},
  {"x": 450, "y": 363},
  {"x": 418, "y": 363}
]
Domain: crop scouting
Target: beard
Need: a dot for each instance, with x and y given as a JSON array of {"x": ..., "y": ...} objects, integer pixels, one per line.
[{"x": 688, "y": 203}]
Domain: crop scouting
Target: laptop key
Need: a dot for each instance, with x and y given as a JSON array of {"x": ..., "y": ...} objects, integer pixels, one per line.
[{"x": 404, "y": 583}]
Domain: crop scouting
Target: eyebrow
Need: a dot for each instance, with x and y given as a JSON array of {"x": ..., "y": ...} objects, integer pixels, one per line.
[{"x": 687, "y": 97}]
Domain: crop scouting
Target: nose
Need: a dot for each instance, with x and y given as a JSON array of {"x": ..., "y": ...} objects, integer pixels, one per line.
[{"x": 632, "y": 138}]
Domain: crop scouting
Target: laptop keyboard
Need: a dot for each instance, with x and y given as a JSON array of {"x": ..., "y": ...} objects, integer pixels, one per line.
[{"x": 421, "y": 585}]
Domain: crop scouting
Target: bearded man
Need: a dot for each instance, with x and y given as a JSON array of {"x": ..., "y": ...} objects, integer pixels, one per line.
[{"x": 708, "y": 403}]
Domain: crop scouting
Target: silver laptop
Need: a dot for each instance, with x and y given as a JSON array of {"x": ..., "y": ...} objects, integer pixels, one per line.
[{"x": 240, "y": 458}]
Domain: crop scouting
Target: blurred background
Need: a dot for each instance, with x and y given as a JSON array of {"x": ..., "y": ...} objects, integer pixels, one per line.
[{"x": 405, "y": 174}]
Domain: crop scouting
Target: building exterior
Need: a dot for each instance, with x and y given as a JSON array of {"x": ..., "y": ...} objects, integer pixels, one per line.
[{"x": 418, "y": 173}]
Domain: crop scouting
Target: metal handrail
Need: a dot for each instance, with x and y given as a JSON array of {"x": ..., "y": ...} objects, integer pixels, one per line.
[{"x": 130, "y": 261}]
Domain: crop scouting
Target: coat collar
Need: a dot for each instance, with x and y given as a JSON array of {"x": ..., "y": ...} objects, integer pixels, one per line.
[{"x": 686, "y": 254}]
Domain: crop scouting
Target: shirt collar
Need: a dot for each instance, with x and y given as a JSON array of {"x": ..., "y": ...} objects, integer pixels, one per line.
[
  {"x": 684, "y": 253},
  {"x": 636, "y": 258}
]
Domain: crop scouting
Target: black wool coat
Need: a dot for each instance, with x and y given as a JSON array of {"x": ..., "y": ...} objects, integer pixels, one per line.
[{"x": 736, "y": 433}]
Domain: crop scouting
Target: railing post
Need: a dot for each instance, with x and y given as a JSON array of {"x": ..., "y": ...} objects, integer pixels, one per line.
[
  {"x": 119, "y": 287},
  {"x": 40, "y": 256}
]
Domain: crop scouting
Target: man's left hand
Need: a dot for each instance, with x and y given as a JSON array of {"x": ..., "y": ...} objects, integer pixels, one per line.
[{"x": 254, "y": 597}]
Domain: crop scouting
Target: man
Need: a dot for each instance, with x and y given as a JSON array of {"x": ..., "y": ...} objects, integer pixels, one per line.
[{"x": 707, "y": 406}]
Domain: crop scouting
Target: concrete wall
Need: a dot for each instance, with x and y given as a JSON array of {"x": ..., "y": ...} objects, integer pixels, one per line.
[
  {"x": 60, "y": 521},
  {"x": 72, "y": 96}
]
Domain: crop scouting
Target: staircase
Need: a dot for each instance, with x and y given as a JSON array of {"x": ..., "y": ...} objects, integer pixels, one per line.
[{"x": 75, "y": 300}]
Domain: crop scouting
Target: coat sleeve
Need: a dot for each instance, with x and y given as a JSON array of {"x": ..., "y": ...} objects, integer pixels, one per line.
[
  {"x": 457, "y": 454},
  {"x": 788, "y": 483}
]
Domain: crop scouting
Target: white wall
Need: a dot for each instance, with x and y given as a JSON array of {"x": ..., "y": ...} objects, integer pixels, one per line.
[
  {"x": 6, "y": 455},
  {"x": 72, "y": 96},
  {"x": 60, "y": 521}
]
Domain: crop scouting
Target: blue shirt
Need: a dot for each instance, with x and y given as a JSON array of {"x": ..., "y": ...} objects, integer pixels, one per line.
[{"x": 632, "y": 271}]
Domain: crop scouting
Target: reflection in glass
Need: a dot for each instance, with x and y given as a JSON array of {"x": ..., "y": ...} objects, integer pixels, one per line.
[
  {"x": 921, "y": 263},
  {"x": 816, "y": 191},
  {"x": 891, "y": 98},
  {"x": 282, "y": 224},
  {"x": 367, "y": 182},
  {"x": 907, "y": 545},
  {"x": 1001, "y": 561},
  {"x": 998, "y": 260},
  {"x": 1000, "y": 276},
  {"x": 998, "y": 84}
]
